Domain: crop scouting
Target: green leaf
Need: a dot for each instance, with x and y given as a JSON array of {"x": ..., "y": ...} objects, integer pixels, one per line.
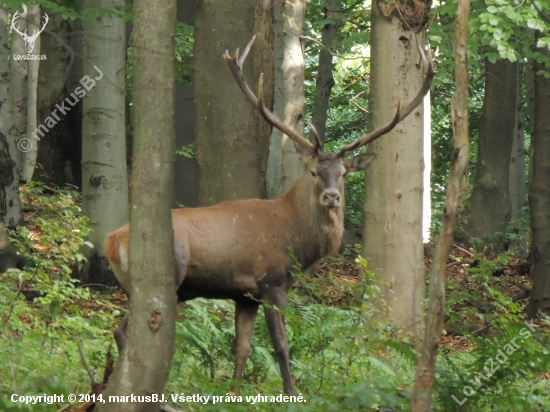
[{"x": 535, "y": 24}]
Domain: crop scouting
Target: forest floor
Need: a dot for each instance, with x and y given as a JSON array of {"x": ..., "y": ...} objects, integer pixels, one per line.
[{"x": 510, "y": 277}]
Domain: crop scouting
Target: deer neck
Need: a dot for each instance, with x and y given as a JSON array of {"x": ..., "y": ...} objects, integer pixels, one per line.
[{"x": 318, "y": 229}]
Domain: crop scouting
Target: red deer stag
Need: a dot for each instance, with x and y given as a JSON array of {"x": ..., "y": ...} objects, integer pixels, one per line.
[{"x": 247, "y": 248}]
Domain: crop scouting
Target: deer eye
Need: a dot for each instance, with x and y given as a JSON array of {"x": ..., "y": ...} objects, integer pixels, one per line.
[{"x": 313, "y": 173}]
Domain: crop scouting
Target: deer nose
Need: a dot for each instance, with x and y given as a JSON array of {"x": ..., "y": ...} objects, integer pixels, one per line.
[{"x": 330, "y": 198}]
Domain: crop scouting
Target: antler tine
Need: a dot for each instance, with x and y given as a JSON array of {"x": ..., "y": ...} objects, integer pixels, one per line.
[
  {"x": 245, "y": 52},
  {"x": 235, "y": 65},
  {"x": 315, "y": 135},
  {"x": 400, "y": 113},
  {"x": 15, "y": 16}
]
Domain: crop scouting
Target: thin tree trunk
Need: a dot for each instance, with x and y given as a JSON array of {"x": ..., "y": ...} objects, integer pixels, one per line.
[
  {"x": 144, "y": 364},
  {"x": 325, "y": 79},
  {"x": 517, "y": 186},
  {"x": 539, "y": 192},
  {"x": 425, "y": 372},
  {"x": 18, "y": 80},
  {"x": 104, "y": 178},
  {"x": 27, "y": 156},
  {"x": 490, "y": 199},
  {"x": 284, "y": 164},
  {"x": 394, "y": 181},
  {"x": 231, "y": 137}
]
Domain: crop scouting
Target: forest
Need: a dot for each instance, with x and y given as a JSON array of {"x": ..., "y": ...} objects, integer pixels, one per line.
[{"x": 375, "y": 176}]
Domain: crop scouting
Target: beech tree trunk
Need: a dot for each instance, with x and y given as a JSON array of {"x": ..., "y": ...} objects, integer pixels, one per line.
[
  {"x": 27, "y": 157},
  {"x": 284, "y": 164},
  {"x": 539, "y": 192},
  {"x": 325, "y": 80},
  {"x": 231, "y": 137},
  {"x": 104, "y": 178},
  {"x": 18, "y": 81},
  {"x": 490, "y": 199},
  {"x": 59, "y": 131},
  {"x": 10, "y": 208},
  {"x": 143, "y": 367},
  {"x": 394, "y": 181}
]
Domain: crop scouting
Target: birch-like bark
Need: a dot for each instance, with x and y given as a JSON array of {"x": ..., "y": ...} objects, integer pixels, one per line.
[
  {"x": 284, "y": 165},
  {"x": 27, "y": 157},
  {"x": 10, "y": 207},
  {"x": 104, "y": 172}
]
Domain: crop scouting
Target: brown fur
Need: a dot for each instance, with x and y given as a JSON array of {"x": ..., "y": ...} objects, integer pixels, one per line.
[{"x": 245, "y": 248}]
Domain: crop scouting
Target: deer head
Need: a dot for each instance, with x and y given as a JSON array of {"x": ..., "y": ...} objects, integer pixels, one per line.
[
  {"x": 29, "y": 40},
  {"x": 328, "y": 168}
]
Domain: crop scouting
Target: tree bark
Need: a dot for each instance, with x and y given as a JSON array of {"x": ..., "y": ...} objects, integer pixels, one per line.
[
  {"x": 144, "y": 364},
  {"x": 231, "y": 137},
  {"x": 10, "y": 208},
  {"x": 104, "y": 178},
  {"x": 517, "y": 185},
  {"x": 325, "y": 80},
  {"x": 425, "y": 372},
  {"x": 284, "y": 165},
  {"x": 394, "y": 181},
  {"x": 59, "y": 145},
  {"x": 539, "y": 192},
  {"x": 27, "y": 156},
  {"x": 490, "y": 199},
  {"x": 18, "y": 81}
]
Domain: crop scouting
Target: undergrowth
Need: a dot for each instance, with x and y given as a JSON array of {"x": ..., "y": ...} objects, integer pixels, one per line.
[{"x": 343, "y": 357}]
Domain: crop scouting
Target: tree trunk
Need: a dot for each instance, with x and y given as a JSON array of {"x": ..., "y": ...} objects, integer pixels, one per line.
[
  {"x": 490, "y": 199},
  {"x": 18, "y": 81},
  {"x": 539, "y": 192},
  {"x": 231, "y": 137},
  {"x": 394, "y": 181},
  {"x": 284, "y": 165},
  {"x": 144, "y": 364},
  {"x": 10, "y": 208},
  {"x": 27, "y": 155},
  {"x": 104, "y": 179},
  {"x": 59, "y": 131},
  {"x": 517, "y": 185},
  {"x": 325, "y": 79},
  {"x": 425, "y": 371}
]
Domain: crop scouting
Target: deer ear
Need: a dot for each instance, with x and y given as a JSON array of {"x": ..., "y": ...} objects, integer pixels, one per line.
[{"x": 360, "y": 162}]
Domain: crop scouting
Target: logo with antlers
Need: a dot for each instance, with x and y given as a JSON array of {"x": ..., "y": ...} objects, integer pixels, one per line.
[{"x": 29, "y": 40}]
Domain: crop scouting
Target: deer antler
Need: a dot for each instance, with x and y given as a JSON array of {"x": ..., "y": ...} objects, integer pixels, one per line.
[
  {"x": 15, "y": 16},
  {"x": 235, "y": 65},
  {"x": 38, "y": 31},
  {"x": 400, "y": 113}
]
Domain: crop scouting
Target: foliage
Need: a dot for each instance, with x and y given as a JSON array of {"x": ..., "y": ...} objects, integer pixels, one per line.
[
  {"x": 40, "y": 336},
  {"x": 187, "y": 151},
  {"x": 184, "y": 52}
]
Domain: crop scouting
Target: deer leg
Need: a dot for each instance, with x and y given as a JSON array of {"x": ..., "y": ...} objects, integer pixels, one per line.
[
  {"x": 276, "y": 326},
  {"x": 245, "y": 316},
  {"x": 120, "y": 334}
]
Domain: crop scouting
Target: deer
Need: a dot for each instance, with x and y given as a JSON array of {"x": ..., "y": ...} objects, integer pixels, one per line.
[
  {"x": 245, "y": 250},
  {"x": 29, "y": 40}
]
